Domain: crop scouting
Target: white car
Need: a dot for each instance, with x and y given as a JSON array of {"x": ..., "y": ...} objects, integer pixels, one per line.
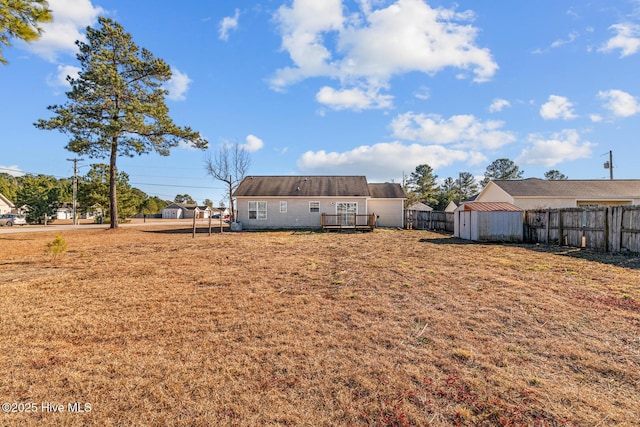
[{"x": 12, "y": 219}]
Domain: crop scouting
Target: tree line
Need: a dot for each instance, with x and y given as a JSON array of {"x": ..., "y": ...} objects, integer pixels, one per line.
[
  {"x": 44, "y": 194},
  {"x": 422, "y": 184}
]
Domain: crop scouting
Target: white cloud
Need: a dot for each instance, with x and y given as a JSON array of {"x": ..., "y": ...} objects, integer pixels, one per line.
[
  {"x": 12, "y": 170},
  {"x": 423, "y": 93},
  {"x": 466, "y": 131},
  {"x": 560, "y": 147},
  {"x": 227, "y": 24},
  {"x": 70, "y": 18},
  {"x": 627, "y": 39},
  {"x": 558, "y": 107},
  {"x": 498, "y": 105},
  {"x": 253, "y": 144},
  {"x": 558, "y": 43},
  {"x": 60, "y": 78},
  {"x": 353, "y": 99},
  {"x": 595, "y": 118},
  {"x": 178, "y": 85},
  {"x": 620, "y": 103},
  {"x": 380, "y": 161},
  {"x": 367, "y": 48}
]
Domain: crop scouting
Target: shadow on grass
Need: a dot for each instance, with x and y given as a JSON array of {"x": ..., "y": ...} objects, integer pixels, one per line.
[
  {"x": 626, "y": 260},
  {"x": 189, "y": 230}
]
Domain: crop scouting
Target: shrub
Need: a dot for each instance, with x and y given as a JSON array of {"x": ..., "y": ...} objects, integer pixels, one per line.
[{"x": 57, "y": 246}]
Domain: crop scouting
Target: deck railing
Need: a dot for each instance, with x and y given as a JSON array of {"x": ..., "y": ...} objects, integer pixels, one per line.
[{"x": 348, "y": 221}]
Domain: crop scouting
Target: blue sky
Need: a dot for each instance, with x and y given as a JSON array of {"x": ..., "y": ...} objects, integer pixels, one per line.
[{"x": 366, "y": 87}]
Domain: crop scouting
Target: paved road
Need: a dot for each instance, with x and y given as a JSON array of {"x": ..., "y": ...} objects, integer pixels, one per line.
[{"x": 64, "y": 227}]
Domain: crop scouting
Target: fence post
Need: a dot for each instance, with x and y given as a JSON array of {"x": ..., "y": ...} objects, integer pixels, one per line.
[
  {"x": 607, "y": 243},
  {"x": 560, "y": 228},
  {"x": 193, "y": 234}
]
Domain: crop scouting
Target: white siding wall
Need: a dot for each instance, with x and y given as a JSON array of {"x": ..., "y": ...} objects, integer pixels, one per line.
[
  {"x": 493, "y": 226},
  {"x": 493, "y": 193},
  {"x": 390, "y": 211},
  {"x": 297, "y": 215},
  {"x": 171, "y": 213},
  {"x": 4, "y": 208}
]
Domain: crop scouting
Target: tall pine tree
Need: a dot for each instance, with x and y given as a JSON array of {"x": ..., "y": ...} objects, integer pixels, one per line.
[{"x": 117, "y": 104}]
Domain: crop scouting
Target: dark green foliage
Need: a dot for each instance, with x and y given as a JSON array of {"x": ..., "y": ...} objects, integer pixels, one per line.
[
  {"x": 93, "y": 191},
  {"x": 555, "y": 175},
  {"x": 184, "y": 198},
  {"x": 41, "y": 195},
  {"x": 502, "y": 169},
  {"x": 421, "y": 186}
]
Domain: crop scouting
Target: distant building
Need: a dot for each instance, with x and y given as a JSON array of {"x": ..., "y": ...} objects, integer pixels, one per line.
[
  {"x": 300, "y": 201},
  {"x": 534, "y": 193},
  {"x": 5, "y": 205}
]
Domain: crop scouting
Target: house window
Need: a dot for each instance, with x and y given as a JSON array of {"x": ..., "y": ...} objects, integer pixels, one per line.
[
  {"x": 314, "y": 206},
  {"x": 283, "y": 206},
  {"x": 257, "y": 210}
]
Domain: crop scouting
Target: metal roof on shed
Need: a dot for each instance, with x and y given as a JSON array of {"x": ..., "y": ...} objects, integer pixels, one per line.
[{"x": 489, "y": 207}]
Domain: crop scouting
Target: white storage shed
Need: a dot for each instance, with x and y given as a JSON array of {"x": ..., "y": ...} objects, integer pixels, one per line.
[{"x": 489, "y": 222}]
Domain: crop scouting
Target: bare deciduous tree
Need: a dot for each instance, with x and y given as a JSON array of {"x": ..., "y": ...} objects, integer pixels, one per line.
[{"x": 229, "y": 164}]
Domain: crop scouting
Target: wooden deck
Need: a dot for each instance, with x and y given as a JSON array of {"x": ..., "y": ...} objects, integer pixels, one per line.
[{"x": 348, "y": 222}]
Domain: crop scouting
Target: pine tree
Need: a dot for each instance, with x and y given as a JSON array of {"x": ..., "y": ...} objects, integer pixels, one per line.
[{"x": 117, "y": 104}]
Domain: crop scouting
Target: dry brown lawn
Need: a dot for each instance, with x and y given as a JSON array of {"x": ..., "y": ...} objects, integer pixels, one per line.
[{"x": 389, "y": 328}]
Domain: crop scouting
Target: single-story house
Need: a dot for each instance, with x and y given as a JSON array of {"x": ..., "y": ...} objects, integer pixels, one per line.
[
  {"x": 185, "y": 210},
  {"x": 64, "y": 211},
  {"x": 420, "y": 207},
  {"x": 488, "y": 222},
  {"x": 5, "y": 205},
  {"x": 265, "y": 202},
  {"x": 534, "y": 193}
]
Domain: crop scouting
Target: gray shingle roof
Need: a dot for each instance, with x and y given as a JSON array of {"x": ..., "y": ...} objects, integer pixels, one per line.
[
  {"x": 588, "y": 188},
  {"x": 387, "y": 190},
  {"x": 303, "y": 186}
]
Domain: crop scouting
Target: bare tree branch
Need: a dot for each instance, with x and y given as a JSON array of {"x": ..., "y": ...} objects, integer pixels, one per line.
[{"x": 230, "y": 165}]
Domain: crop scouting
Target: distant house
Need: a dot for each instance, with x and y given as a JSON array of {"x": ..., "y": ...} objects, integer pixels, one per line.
[
  {"x": 5, "y": 205},
  {"x": 420, "y": 207},
  {"x": 185, "y": 210},
  {"x": 534, "y": 193},
  {"x": 64, "y": 211},
  {"x": 299, "y": 201},
  {"x": 451, "y": 207},
  {"x": 489, "y": 222}
]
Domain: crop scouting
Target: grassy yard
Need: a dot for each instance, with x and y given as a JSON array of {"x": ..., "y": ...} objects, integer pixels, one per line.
[{"x": 389, "y": 328}]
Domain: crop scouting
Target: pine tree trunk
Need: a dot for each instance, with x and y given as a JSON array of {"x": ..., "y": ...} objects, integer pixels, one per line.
[{"x": 113, "y": 179}]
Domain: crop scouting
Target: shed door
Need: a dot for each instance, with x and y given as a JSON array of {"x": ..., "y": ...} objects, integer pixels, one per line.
[{"x": 464, "y": 224}]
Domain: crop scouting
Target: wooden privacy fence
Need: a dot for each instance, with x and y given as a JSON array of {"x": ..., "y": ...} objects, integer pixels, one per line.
[
  {"x": 429, "y": 220},
  {"x": 611, "y": 228}
]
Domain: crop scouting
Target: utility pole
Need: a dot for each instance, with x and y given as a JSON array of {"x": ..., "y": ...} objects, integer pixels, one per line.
[
  {"x": 609, "y": 165},
  {"x": 75, "y": 187}
]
